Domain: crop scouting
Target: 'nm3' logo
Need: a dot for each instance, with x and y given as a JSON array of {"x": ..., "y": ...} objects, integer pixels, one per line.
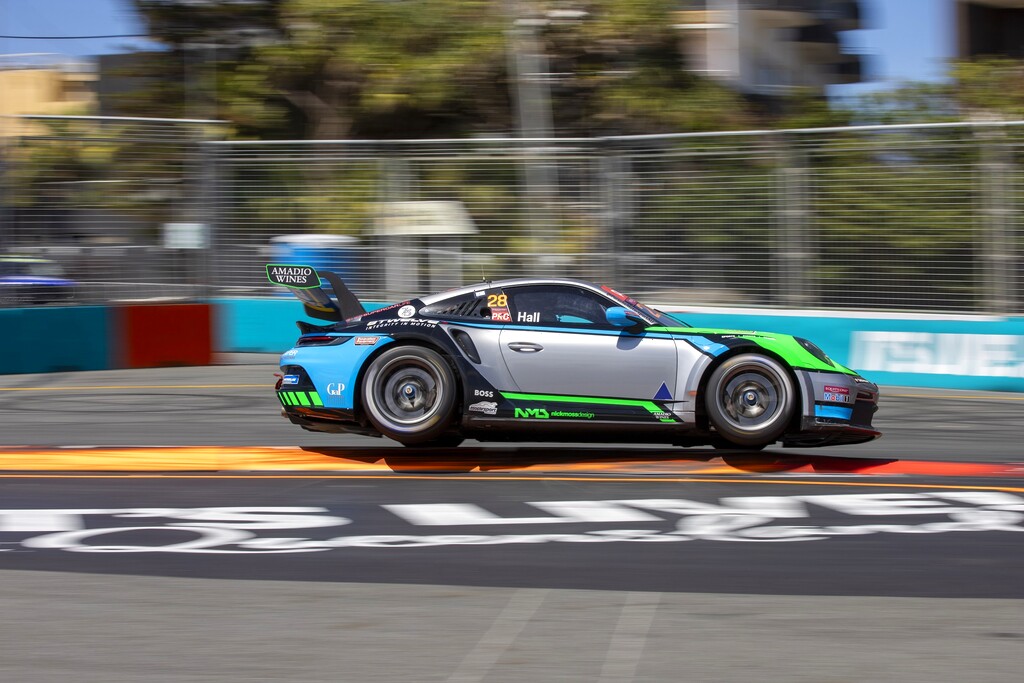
[
  {"x": 335, "y": 389},
  {"x": 538, "y": 413}
]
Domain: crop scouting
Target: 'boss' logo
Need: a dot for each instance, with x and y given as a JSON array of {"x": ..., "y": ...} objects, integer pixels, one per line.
[{"x": 484, "y": 393}]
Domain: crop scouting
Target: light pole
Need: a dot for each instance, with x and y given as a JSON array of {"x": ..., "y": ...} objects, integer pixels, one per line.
[{"x": 528, "y": 67}]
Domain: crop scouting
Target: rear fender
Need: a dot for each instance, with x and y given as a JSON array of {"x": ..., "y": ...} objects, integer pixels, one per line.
[
  {"x": 406, "y": 339},
  {"x": 333, "y": 370}
]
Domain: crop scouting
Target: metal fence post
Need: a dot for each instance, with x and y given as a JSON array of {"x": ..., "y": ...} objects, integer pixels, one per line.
[
  {"x": 614, "y": 172},
  {"x": 401, "y": 253},
  {"x": 792, "y": 252},
  {"x": 998, "y": 253},
  {"x": 208, "y": 202}
]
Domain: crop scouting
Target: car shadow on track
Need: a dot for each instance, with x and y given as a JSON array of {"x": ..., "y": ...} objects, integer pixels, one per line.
[{"x": 571, "y": 460}]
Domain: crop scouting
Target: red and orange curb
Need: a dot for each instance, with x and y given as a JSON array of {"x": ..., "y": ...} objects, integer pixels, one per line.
[{"x": 526, "y": 461}]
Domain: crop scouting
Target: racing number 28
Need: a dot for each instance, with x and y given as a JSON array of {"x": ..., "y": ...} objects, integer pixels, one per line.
[{"x": 497, "y": 300}]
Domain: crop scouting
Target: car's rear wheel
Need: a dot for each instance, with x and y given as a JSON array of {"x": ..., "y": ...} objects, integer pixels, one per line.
[
  {"x": 750, "y": 400},
  {"x": 409, "y": 395}
]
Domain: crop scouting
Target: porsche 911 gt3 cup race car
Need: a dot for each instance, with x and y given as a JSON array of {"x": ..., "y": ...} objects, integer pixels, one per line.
[{"x": 538, "y": 359}]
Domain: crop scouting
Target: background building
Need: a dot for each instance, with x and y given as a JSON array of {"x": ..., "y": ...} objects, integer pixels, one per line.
[
  {"x": 771, "y": 47},
  {"x": 44, "y": 84},
  {"x": 990, "y": 27}
]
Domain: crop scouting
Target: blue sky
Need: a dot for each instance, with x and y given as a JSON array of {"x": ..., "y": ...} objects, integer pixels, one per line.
[
  {"x": 912, "y": 39},
  {"x": 68, "y": 18}
]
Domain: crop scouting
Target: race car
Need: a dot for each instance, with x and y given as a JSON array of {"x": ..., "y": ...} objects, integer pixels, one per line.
[
  {"x": 29, "y": 281},
  {"x": 547, "y": 359}
]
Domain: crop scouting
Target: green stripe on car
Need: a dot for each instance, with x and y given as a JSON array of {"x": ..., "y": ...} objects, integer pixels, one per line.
[{"x": 650, "y": 406}]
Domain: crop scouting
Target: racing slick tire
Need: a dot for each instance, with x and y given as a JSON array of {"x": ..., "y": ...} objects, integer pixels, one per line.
[
  {"x": 750, "y": 400},
  {"x": 409, "y": 394}
]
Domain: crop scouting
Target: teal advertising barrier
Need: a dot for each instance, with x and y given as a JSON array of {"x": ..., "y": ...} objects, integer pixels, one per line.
[
  {"x": 56, "y": 339},
  {"x": 261, "y": 325},
  {"x": 956, "y": 352},
  {"x": 953, "y": 352}
]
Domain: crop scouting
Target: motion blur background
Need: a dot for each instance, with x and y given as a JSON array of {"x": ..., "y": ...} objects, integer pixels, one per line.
[{"x": 784, "y": 154}]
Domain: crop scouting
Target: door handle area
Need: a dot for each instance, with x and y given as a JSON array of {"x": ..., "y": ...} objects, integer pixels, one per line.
[{"x": 525, "y": 347}]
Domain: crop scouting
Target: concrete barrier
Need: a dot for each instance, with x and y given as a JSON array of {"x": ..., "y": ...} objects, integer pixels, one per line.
[
  {"x": 252, "y": 325},
  {"x": 67, "y": 338},
  {"x": 156, "y": 335},
  {"x": 55, "y": 339},
  {"x": 945, "y": 351},
  {"x": 244, "y": 325}
]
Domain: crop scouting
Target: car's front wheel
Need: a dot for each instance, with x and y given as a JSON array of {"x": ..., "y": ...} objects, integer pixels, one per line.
[
  {"x": 750, "y": 400},
  {"x": 409, "y": 394}
]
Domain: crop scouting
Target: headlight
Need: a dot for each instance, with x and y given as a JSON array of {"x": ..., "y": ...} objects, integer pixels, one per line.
[{"x": 815, "y": 351}]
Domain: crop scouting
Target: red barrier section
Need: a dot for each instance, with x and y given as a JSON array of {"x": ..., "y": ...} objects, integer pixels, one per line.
[{"x": 149, "y": 336}]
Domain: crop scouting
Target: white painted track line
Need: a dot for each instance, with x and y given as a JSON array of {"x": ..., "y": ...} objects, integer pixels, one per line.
[{"x": 506, "y": 627}]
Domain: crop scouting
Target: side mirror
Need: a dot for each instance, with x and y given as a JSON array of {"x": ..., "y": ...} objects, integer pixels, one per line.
[{"x": 622, "y": 317}]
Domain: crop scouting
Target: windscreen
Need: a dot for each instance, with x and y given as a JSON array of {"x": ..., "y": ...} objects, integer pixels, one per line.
[{"x": 655, "y": 314}]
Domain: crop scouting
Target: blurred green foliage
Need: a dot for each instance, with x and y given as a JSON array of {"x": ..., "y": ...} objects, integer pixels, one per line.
[{"x": 335, "y": 69}]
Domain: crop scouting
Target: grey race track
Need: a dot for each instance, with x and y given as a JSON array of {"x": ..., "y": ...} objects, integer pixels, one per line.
[
  {"x": 132, "y": 618},
  {"x": 235, "y": 405}
]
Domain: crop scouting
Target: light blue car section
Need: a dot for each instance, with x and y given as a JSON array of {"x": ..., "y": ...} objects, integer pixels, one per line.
[{"x": 333, "y": 369}]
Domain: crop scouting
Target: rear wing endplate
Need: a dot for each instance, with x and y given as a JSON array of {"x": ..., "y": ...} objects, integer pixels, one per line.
[{"x": 304, "y": 282}]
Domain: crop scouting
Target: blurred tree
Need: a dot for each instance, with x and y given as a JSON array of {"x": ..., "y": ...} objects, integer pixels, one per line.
[
  {"x": 978, "y": 89},
  {"x": 325, "y": 69},
  {"x": 805, "y": 109},
  {"x": 201, "y": 37},
  {"x": 992, "y": 86},
  {"x": 617, "y": 68}
]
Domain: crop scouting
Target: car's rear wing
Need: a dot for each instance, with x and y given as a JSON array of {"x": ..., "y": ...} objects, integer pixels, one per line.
[{"x": 304, "y": 281}]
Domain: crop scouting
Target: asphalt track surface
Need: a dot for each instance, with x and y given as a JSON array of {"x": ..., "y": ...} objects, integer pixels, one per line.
[
  {"x": 234, "y": 405},
  {"x": 351, "y": 559}
]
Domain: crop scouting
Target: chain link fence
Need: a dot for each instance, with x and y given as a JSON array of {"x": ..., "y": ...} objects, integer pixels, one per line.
[
  {"x": 920, "y": 218},
  {"x": 96, "y": 209}
]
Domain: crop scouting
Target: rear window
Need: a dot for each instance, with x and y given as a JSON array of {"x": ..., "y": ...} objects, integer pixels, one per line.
[{"x": 464, "y": 306}]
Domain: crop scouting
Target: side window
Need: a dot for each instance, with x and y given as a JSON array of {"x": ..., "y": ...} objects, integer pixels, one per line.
[
  {"x": 481, "y": 305},
  {"x": 558, "y": 305}
]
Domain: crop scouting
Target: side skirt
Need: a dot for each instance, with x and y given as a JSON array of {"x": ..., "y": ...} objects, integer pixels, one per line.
[{"x": 518, "y": 429}]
